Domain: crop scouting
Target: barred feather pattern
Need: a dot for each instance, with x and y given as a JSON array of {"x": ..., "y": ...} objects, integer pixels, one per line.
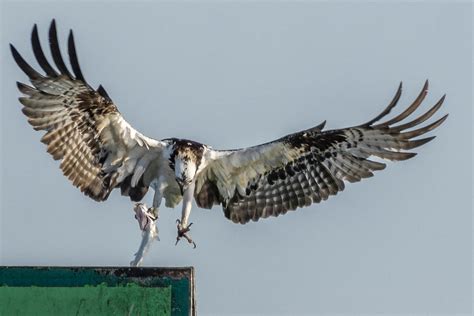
[
  {"x": 98, "y": 149},
  {"x": 310, "y": 166}
]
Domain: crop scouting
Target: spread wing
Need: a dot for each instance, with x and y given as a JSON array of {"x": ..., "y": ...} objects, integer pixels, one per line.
[
  {"x": 309, "y": 166},
  {"x": 98, "y": 149}
]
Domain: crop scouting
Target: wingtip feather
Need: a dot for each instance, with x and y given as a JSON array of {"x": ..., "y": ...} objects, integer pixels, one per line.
[
  {"x": 425, "y": 129},
  {"x": 387, "y": 109},
  {"x": 25, "y": 67},
  {"x": 55, "y": 50},
  {"x": 76, "y": 69},
  {"x": 418, "y": 142},
  {"x": 409, "y": 110},
  {"x": 39, "y": 54}
]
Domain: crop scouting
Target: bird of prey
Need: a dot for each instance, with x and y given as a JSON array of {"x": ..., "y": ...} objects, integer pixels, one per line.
[{"x": 100, "y": 151}]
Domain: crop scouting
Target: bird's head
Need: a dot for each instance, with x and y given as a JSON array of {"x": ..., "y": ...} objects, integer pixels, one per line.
[{"x": 185, "y": 158}]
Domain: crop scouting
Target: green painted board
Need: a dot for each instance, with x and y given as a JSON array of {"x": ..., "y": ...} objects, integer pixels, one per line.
[
  {"x": 96, "y": 291},
  {"x": 87, "y": 300}
]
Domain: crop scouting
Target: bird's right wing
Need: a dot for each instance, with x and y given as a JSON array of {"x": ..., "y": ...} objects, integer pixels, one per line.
[
  {"x": 308, "y": 166},
  {"x": 98, "y": 149}
]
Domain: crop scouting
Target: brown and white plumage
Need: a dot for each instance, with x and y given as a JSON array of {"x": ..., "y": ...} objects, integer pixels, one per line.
[
  {"x": 309, "y": 166},
  {"x": 100, "y": 151}
]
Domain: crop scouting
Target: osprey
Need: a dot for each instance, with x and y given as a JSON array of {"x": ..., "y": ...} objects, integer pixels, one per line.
[{"x": 99, "y": 151}]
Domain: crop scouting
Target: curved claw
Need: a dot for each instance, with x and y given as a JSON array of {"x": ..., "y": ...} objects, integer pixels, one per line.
[
  {"x": 183, "y": 233},
  {"x": 187, "y": 238}
]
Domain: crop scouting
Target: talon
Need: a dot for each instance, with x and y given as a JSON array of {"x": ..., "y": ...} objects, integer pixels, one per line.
[{"x": 182, "y": 232}]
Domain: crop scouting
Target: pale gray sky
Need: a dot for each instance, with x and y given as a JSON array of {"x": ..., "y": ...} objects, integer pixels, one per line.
[{"x": 236, "y": 74}]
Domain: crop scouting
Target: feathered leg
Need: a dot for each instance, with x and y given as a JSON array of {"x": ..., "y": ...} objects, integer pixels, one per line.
[
  {"x": 159, "y": 187},
  {"x": 183, "y": 227}
]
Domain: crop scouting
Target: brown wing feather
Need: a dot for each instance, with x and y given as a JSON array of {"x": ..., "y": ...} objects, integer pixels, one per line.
[
  {"x": 84, "y": 128},
  {"x": 308, "y": 167}
]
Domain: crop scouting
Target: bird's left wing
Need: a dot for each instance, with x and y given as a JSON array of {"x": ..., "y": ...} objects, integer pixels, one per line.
[
  {"x": 307, "y": 167},
  {"x": 98, "y": 149}
]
